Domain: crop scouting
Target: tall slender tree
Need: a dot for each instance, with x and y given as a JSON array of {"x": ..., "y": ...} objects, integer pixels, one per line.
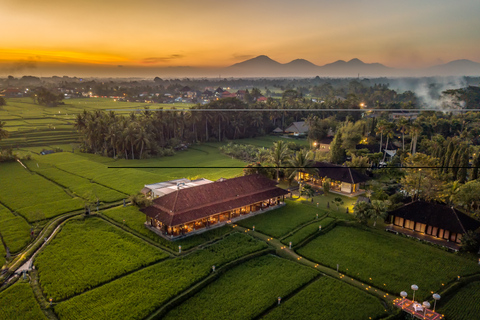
[{"x": 278, "y": 155}]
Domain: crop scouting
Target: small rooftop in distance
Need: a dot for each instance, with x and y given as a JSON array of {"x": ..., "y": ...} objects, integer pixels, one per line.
[{"x": 163, "y": 188}]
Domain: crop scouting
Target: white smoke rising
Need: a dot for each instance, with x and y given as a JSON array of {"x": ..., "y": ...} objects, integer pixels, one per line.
[{"x": 430, "y": 93}]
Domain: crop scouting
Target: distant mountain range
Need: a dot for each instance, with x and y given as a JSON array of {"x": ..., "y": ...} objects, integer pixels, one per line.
[{"x": 263, "y": 66}]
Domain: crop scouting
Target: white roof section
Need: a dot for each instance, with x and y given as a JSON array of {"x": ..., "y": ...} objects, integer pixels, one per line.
[{"x": 162, "y": 188}]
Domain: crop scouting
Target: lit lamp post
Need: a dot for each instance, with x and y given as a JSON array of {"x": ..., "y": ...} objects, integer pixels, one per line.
[
  {"x": 414, "y": 288},
  {"x": 436, "y": 297},
  {"x": 425, "y": 305},
  {"x": 403, "y": 294}
]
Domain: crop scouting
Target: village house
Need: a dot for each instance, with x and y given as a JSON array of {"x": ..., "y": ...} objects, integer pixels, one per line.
[
  {"x": 343, "y": 180},
  {"x": 192, "y": 209},
  {"x": 432, "y": 222},
  {"x": 324, "y": 144},
  {"x": 298, "y": 128}
]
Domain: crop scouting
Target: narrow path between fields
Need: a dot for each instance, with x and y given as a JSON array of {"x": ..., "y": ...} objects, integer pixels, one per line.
[{"x": 283, "y": 251}]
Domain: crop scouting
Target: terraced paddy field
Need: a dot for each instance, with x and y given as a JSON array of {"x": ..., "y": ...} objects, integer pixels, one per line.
[
  {"x": 18, "y": 302},
  {"x": 32, "y": 196},
  {"x": 246, "y": 291},
  {"x": 31, "y": 124},
  {"x": 329, "y": 299},
  {"x": 387, "y": 261},
  {"x": 68, "y": 266},
  {"x": 14, "y": 229},
  {"x": 140, "y": 293},
  {"x": 464, "y": 305}
]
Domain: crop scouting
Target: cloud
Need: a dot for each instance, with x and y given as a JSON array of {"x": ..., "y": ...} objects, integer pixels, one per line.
[
  {"x": 20, "y": 65},
  {"x": 243, "y": 56},
  {"x": 153, "y": 60}
]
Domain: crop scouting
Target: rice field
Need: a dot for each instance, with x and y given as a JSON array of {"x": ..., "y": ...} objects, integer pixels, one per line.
[
  {"x": 387, "y": 261},
  {"x": 32, "y": 195},
  {"x": 245, "y": 291},
  {"x": 87, "y": 253},
  {"x": 14, "y": 229},
  {"x": 18, "y": 302},
  {"x": 329, "y": 299}
]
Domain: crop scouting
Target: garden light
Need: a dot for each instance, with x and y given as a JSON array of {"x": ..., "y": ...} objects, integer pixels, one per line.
[
  {"x": 414, "y": 288},
  {"x": 436, "y": 297}
]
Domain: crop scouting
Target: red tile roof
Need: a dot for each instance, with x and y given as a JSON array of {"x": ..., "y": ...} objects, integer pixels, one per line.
[{"x": 187, "y": 205}]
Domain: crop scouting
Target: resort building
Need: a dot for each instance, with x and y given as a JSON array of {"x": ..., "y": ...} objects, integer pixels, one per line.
[
  {"x": 437, "y": 223},
  {"x": 343, "y": 180},
  {"x": 160, "y": 189},
  {"x": 191, "y": 210}
]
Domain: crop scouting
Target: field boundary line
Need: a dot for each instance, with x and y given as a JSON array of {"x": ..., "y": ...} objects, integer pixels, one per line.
[
  {"x": 302, "y": 226},
  {"x": 91, "y": 180},
  {"x": 202, "y": 283},
  {"x": 288, "y": 297},
  {"x": 120, "y": 227},
  {"x": 136, "y": 234}
]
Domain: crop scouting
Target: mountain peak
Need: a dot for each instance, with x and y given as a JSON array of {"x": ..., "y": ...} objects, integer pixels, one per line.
[
  {"x": 355, "y": 61},
  {"x": 257, "y": 61}
]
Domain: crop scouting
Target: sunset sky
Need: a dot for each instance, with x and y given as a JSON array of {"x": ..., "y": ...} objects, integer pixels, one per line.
[{"x": 59, "y": 35}]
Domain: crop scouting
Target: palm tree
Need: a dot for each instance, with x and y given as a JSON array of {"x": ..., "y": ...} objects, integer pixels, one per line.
[
  {"x": 402, "y": 125},
  {"x": 143, "y": 138},
  {"x": 130, "y": 135},
  {"x": 415, "y": 130},
  {"x": 381, "y": 128},
  {"x": 301, "y": 163},
  {"x": 362, "y": 211},
  {"x": 379, "y": 209},
  {"x": 278, "y": 155}
]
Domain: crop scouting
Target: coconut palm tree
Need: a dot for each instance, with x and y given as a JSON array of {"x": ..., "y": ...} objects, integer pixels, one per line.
[
  {"x": 362, "y": 211},
  {"x": 301, "y": 162},
  {"x": 403, "y": 125},
  {"x": 379, "y": 210},
  {"x": 142, "y": 138},
  {"x": 381, "y": 128},
  {"x": 278, "y": 155}
]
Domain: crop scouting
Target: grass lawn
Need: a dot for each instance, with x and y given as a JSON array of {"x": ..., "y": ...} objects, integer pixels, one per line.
[
  {"x": 387, "y": 261},
  {"x": 14, "y": 230},
  {"x": 279, "y": 222},
  {"x": 139, "y": 294},
  {"x": 135, "y": 220},
  {"x": 267, "y": 141},
  {"x": 245, "y": 291},
  {"x": 329, "y": 299},
  {"x": 18, "y": 302},
  {"x": 87, "y": 253},
  {"x": 465, "y": 304},
  {"x": 307, "y": 231}
]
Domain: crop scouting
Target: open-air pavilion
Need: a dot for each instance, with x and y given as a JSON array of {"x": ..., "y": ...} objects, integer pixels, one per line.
[{"x": 191, "y": 210}]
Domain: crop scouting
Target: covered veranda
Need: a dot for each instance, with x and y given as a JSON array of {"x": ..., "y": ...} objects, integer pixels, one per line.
[{"x": 212, "y": 221}]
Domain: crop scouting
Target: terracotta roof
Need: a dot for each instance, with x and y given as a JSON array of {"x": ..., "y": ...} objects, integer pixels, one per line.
[
  {"x": 186, "y": 205},
  {"x": 339, "y": 173},
  {"x": 437, "y": 215}
]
